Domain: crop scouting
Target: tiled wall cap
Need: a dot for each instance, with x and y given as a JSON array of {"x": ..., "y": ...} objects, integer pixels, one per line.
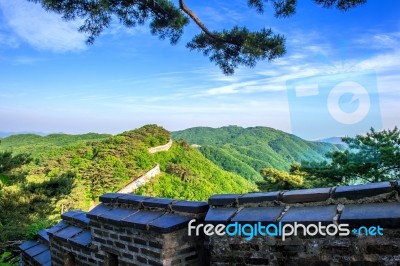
[
  {"x": 76, "y": 216},
  {"x": 110, "y": 197},
  {"x": 258, "y": 214},
  {"x": 44, "y": 236},
  {"x": 157, "y": 203},
  {"x": 373, "y": 214},
  {"x": 168, "y": 223},
  {"x": 306, "y": 195},
  {"x": 362, "y": 191},
  {"x": 259, "y": 197},
  {"x": 190, "y": 206},
  {"x": 223, "y": 199},
  {"x": 131, "y": 199},
  {"x": 310, "y": 214},
  {"x": 220, "y": 215},
  {"x": 83, "y": 239}
]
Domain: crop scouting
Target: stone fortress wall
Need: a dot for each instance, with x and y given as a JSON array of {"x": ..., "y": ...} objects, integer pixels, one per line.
[{"x": 127, "y": 229}]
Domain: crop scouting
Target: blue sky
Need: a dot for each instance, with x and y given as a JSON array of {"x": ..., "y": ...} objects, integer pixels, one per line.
[{"x": 51, "y": 81}]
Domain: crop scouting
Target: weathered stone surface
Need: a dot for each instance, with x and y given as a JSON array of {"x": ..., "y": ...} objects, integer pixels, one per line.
[
  {"x": 258, "y": 214},
  {"x": 223, "y": 199},
  {"x": 386, "y": 215},
  {"x": 310, "y": 214},
  {"x": 362, "y": 191},
  {"x": 168, "y": 223},
  {"x": 306, "y": 195},
  {"x": 259, "y": 197},
  {"x": 190, "y": 206},
  {"x": 219, "y": 215}
]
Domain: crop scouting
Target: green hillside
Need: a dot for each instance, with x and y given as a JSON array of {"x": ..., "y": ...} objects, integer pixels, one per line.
[
  {"x": 74, "y": 176},
  {"x": 246, "y": 151}
]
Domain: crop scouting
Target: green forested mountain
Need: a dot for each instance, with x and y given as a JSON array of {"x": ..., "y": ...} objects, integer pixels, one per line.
[
  {"x": 71, "y": 174},
  {"x": 36, "y": 144},
  {"x": 248, "y": 150}
]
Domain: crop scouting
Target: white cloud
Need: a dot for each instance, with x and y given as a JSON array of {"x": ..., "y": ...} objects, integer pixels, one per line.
[{"x": 42, "y": 30}]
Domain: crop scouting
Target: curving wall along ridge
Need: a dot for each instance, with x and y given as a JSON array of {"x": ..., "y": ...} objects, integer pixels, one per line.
[
  {"x": 140, "y": 181},
  {"x": 127, "y": 229},
  {"x": 165, "y": 147}
]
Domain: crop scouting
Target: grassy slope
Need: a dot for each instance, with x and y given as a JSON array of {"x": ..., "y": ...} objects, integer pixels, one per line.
[{"x": 236, "y": 149}]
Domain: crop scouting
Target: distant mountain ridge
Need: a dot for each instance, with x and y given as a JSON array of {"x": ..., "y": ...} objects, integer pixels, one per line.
[
  {"x": 4, "y": 134},
  {"x": 247, "y": 150},
  {"x": 333, "y": 140}
]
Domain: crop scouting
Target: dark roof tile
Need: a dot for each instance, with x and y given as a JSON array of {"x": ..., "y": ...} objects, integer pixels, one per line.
[
  {"x": 43, "y": 258},
  {"x": 157, "y": 202},
  {"x": 259, "y": 197},
  {"x": 190, "y": 206},
  {"x": 35, "y": 250},
  {"x": 44, "y": 235},
  {"x": 362, "y": 191},
  {"x": 141, "y": 219},
  {"x": 258, "y": 214},
  {"x": 310, "y": 214},
  {"x": 134, "y": 200},
  {"x": 223, "y": 199},
  {"x": 28, "y": 244},
  {"x": 306, "y": 195},
  {"x": 168, "y": 223},
  {"x": 83, "y": 239},
  {"x": 220, "y": 215},
  {"x": 110, "y": 197},
  {"x": 76, "y": 216},
  {"x": 373, "y": 214},
  {"x": 68, "y": 232}
]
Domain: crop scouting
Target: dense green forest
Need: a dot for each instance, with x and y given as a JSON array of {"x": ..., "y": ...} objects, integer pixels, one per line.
[
  {"x": 70, "y": 172},
  {"x": 246, "y": 151}
]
